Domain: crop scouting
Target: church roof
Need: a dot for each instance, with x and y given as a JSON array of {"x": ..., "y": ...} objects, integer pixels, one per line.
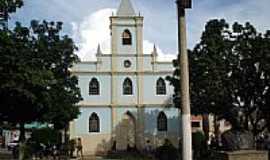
[{"x": 126, "y": 9}]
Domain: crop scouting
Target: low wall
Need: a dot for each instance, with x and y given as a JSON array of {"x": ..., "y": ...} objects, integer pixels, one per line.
[
  {"x": 96, "y": 143},
  {"x": 242, "y": 155}
]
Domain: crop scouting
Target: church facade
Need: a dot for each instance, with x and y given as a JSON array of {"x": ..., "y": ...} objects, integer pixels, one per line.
[{"x": 127, "y": 102}]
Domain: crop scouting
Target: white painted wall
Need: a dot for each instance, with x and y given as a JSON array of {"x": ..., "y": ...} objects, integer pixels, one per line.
[
  {"x": 126, "y": 99},
  {"x": 84, "y": 67},
  {"x": 120, "y": 64},
  {"x": 147, "y": 63},
  {"x": 105, "y": 89},
  {"x": 105, "y": 63},
  {"x": 118, "y": 26},
  {"x": 149, "y": 90},
  {"x": 82, "y": 123}
]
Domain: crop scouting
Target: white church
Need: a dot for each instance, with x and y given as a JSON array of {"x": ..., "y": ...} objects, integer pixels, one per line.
[{"x": 127, "y": 103}]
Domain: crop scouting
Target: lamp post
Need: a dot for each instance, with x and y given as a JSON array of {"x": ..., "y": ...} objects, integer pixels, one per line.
[{"x": 184, "y": 82}]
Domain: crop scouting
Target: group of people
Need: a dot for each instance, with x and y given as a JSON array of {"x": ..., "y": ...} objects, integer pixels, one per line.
[
  {"x": 40, "y": 150},
  {"x": 79, "y": 147},
  {"x": 56, "y": 151},
  {"x": 76, "y": 144},
  {"x": 263, "y": 142}
]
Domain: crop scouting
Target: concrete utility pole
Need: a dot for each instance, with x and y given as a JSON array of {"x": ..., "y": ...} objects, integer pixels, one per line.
[{"x": 184, "y": 83}]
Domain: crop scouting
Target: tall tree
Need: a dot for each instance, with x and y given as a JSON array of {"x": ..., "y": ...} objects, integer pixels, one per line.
[
  {"x": 229, "y": 71},
  {"x": 6, "y": 7},
  {"x": 35, "y": 83},
  {"x": 10, "y": 6}
]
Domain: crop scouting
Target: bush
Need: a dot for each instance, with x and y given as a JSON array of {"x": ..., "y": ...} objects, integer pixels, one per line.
[
  {"x": 46, "y": 136},
  {"x": 166, "y": 152},
  {"x": 27, "y": 152},
  {"x": 199, "y": 145}
]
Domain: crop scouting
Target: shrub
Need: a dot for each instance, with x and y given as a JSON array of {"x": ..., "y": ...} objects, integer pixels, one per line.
[
  {"x": 199, "y": 145},
  {"x": 166, "y": 152},
  {"x": 46, "y": 136}
]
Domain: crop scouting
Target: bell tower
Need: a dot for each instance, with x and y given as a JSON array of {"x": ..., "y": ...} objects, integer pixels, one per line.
[
  {"x": 126, "y": 30},
  {"x": 127, "y": 46}
]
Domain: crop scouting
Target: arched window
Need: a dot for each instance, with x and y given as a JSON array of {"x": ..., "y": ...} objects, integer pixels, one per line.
[
  {"x": 94, "y": 123},
  {"x": 127, "y": 87},
  {"x": 161, "y": 87},
  {"x": 94, "y": 87},
  {"x": 126, "y": 37},
  {"x": 162, "y": 122}
]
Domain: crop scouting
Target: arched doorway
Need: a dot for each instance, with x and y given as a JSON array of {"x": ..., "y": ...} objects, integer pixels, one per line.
[{"x": 126, "y": 133}]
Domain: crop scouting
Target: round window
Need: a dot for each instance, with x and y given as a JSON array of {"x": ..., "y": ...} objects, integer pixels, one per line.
[{"x": 127, "y": 63}]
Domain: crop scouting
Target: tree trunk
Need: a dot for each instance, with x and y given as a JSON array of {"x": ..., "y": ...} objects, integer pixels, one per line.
[
  {"x": 246, "y": 126},
  {"x": 216, "y": 132},
  {"x": 22, "y": 132},
  {"x": 206, "y": 125},
  {"x": 216, "y": 127},
  {"x": 22, "y": 142},
  {"x": 66, "y": 141}
]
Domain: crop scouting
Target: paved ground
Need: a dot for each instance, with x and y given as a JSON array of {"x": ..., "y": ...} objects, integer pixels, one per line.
[
  {"x": 7, "y": 155},
  {"x": 92, "y": 158}
]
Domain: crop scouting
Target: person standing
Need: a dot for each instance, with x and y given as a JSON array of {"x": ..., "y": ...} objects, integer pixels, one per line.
[
  {"x": 148, "y": 147},
  {"x": 79, "y": 147}
]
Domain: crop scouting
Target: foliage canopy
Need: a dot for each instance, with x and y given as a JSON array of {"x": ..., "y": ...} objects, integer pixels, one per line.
[
  {"x": 230, "y": 74},
  {"x": 36, "y": 82}
]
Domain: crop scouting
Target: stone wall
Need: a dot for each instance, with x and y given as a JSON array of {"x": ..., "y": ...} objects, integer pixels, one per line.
[{"x": 242, "y": 155}]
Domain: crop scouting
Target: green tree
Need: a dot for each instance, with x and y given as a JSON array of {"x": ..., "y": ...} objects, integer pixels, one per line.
[
  {"x": 8, "y": 6},
  {"x": 47, "y": 136},
  {"x": 229, "y": 72},
  {"x": 36, "y": 83},
  {"x": 64, "y": 90}
]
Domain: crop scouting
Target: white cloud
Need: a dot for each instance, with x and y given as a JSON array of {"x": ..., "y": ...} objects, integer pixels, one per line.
[
  {"x": 94, "y": 30},
  {"x": 148, "y": 48}
]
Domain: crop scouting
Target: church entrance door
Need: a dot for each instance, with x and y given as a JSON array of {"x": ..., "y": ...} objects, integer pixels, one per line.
[{"x": 126, "y": 137}]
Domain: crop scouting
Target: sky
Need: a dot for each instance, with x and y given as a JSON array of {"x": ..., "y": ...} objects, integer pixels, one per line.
[{"x": 87, "y": 21}]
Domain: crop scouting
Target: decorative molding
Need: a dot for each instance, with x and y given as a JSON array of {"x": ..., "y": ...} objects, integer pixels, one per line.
[
  {"x": 123, "y": 72},
  {"x": 126, "y": 55},
  {"x": 126, "y": 25},
  {"x": 162, "y": 62},
  {"x": 126, "y": 17},
  {"x": 133, "y": 105},
  {"x": 86, "y": 62}
]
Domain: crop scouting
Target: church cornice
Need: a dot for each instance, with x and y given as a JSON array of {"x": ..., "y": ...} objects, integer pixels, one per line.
[
  {"x": 122, "y": 72},
  {"x": 121, "y": 21},
  {"x": 127, "y": 25},
  {"x": 162, "y": 62},
  {"x": 126, "y": 17},
  {"x": 123, "y": 105},
  {"x": 88, "y": 62},
  {"x": 125, "y": 55}
]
